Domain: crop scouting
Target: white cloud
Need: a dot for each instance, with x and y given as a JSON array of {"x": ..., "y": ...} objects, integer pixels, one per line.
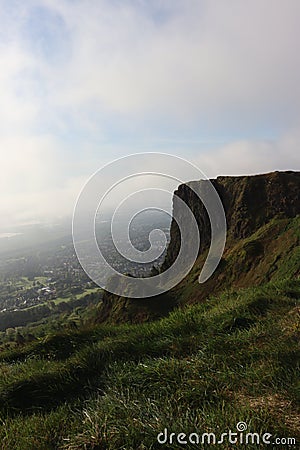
[
  {"x": 214, "y": 61},
  {"x": 17, "y": 110},
  {"x": 32, "y": 180},
  {"x": 149, "y": 69},
  {"x": 211, "y": 63},
  {"x": 246, "y": 157}
]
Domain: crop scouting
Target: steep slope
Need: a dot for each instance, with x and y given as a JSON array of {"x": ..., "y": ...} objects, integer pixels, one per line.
[
  {"x": 262, "y": 214},
  {"x": 249, "y": 203},
  {"x": 271, "y": 253}
]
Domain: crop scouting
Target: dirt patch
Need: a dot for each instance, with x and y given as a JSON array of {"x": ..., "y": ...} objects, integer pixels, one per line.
[{"x": 277, "y": 406}]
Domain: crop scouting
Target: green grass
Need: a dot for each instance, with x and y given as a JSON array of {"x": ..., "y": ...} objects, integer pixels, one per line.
[
  {"x": 232, "y": 358},
  {"x": 77, "y": 296},
  {"x": 58, "y": 300}
]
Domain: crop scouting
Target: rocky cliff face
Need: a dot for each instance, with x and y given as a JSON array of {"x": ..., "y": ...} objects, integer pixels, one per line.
[
  {"x": 262, "y": 214},
  {"x": 249, "y": 203}
]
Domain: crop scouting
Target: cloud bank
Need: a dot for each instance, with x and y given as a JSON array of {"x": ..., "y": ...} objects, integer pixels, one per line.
[{"x": 83, "y": 82}]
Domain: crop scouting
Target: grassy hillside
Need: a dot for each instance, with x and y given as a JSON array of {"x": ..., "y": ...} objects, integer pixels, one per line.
[
  {"x": 270, "y": 253},
  {"x": 231, "y": 358}
]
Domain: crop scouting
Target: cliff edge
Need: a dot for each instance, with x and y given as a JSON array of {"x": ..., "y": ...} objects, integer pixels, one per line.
[{"x": 262, "y": 214}]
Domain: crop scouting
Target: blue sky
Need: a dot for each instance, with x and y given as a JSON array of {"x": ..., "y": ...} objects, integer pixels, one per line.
[{"x": 86, "y": 81}]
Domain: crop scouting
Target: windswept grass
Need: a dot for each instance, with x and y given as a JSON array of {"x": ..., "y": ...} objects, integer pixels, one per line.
[{"x": 204, "y": 368}]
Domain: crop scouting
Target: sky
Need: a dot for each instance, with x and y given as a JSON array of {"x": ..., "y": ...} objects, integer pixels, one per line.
[{"x": 83, "y": 82}]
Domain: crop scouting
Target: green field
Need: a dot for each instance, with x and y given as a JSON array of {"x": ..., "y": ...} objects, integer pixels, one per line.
[{"x": 77, "y": 296}]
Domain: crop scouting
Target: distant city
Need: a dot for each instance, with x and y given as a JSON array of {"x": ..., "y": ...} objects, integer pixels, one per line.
[{"x": 47, "y": 269}]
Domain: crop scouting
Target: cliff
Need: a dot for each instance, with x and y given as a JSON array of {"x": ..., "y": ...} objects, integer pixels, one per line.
[
  {"x": 249, "y": 203},
  {"x": 262, "y": 214}
]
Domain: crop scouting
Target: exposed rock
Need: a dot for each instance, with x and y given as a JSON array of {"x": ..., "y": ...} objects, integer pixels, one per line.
[
  {"x": 261, "y": 237},
  {"x": 249, "y": 202}
]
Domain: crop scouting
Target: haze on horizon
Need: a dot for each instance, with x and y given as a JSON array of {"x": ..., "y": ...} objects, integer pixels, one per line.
[{"x": 85, "y": 82}]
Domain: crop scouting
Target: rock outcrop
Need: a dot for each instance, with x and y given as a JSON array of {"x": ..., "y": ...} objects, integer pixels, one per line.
[
  {"x": 262, "y": 215},
  {"x": 249, "y": 203}
]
